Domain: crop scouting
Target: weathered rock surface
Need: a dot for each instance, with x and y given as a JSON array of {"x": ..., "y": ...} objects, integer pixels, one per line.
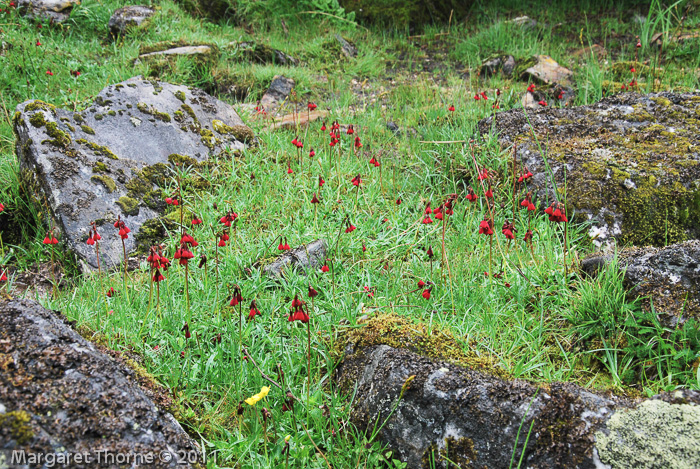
[
  {"x": 631, "y": 163},
  {"x": 346, "y": 47},
  {"x": 430, "y": 411},
  {"x": 547, "y": 71},
  {"x": 59, "y": 394},
  {"x": 263, "y": 54},
  {"x": 302, "y": 259},
  {"x": 501, "y": 63},
  {"x": 201, "y": 51},
  {"x": 131, "y": 16},
  {"x": 277, "y": 93},
  {"x": 291, "y": 121},
  {"x": 54, "y": 10},
  {"x": 107, "y": 161},
  {"x": 667, "y": 277}
]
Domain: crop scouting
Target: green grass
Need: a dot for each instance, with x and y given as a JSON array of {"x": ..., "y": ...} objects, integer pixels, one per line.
[{"x": 536, "y": 322}]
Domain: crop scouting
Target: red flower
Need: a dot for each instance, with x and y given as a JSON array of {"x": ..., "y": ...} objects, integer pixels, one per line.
[
  {"x": 289, "y": 170},
  {"x": 321, "y": 181},
  {"x": 451, "y": 108},
  {"x": 633, "y": 70},
  {"x": 75, "y": 73},
  {"x": 508, "y": 229},
  {"x": 398, "y": 201},
  {"x": 489, "y": 193},
  {"x": 3, "y": 278},
  {"x": 189, "y": 240},
  {"x": 356, "y": 181},
  {"x": 556, "y": 212},
  {"x": 323, "y": 126},
  {"x": 429, "y": 252},
  {"x": 485, "y": 227},
  {"x": 528, "y": 236},
  {"x": 350, "y": 228},
  {"x": 229, "y": 218},
  {"x": 313, "y": 293},
  {"x": 312, "y": 153},
  {"x": 427, "y": 220},
  {"x": 325, "y": 268},
  {"x": 183, "y": 254},
  {"x": 531, "y": 88},
  {"x": 358, "y": 143},
  {"x": 350, "y": 130},
  {"x": 254, "y": 311},
  {"x": 527, "y": 202},
  {"x": 2, "y": 208},
  {"x": 421, "y": 284},
  {"x": 49, "y": 72},
  {"x": 50, "y": 238},
  {"x": 542, "y": 102},
  {"x": 314, "y": 199},
  {"x": 477, "y": 97},
  {"x": 471, "y": 196},
  {"x": 483, "y": 175},
  {"x": 483, "y": 96},
  {"x": 111, "y": 292},
  {"x": 426, "y": 293},
  {"x": 38, "y": 44},
  {"x": 311, "y": 106},
  {"x": 237, "y": 296},
  {"x": 186, "y": 329},
  {"x": 196, "y": 220},
  {"x": 157, "y": 276}
]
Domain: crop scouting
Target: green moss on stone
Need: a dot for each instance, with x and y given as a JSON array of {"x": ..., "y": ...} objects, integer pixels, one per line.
[
  {"x": 153, "y": 231},
  {"x": 99, "y": 117},
  {"x": 38, "y": 119},
  {"x": 87, "y": 129},
  {"x": 38, "y": 105},
  {"x": 18, "y": 422},
  {"x": 180, "y": 95},
  {"x": 78, "y": 118},
  {"x": 112, "y": 113},
  {"x": 98, "y": 149},
  {"x": 59, "y": 137},
  {"x": 99, "y": 167},
  {"x": 157, "y": 173},
  {"x": 242, "y": 133},
  {"x": 128, "y": 205},
  {"x": 105, "y": 180},
  {"x": 181, "y": 160}
]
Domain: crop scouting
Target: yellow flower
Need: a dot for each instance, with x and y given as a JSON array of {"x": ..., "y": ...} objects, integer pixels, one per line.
[
  {"x": 287, "y": 438},
  {"x": 253, "y": 400}
]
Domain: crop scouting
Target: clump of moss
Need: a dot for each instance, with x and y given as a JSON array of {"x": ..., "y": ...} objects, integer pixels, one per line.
[
  {"x": 153, "y": 232},
  {"x": 59, "y": 137},
  {"x": 180, "y": 95},
  {"x": 161, "y": 116},
  {"x": 99, "y": 167},
  {"x": 242, "y": 133},
  {"x": 78, "y": 118},
  {"x": 128, "y": 205},
  {"x": 98, "y": 149},
  {"x": 18, "y": 422},
  {"x": 38, "y": 119},
  {"x": 87, "y": 129},
  {"x": 38, "y": 105},
  {"x": 208, "y": 138},
  {"x": 400, "y": 333},
  {"x": 99, "y": 117},
  {"x": 181, "y": 160},
  {"x": 105, "y": 180},
  {"x": 112, "y": 112},
  {"x": 157, "y": 173}
]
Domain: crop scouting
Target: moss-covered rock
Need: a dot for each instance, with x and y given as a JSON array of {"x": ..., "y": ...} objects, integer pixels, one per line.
[
  {"x": 129, "y": 206},
  {"x": 403, "y": 13},
  {"x": 105, "y": 180},
  {"x": 631, "y": 163}
]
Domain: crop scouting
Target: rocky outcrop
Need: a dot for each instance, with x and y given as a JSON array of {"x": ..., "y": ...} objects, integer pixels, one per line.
[
  {"x": 56, "y": 11},
  {"x": 346, "y": 47},
  {"x": 301, "y": 259},
  {"x": 668, "y": 278},
  {"x": 128, "y": 17},
  {"x": 59, "y": 395},
  {"x": 108, "y": 160},
  {"x": 631, "y": 163},
  {"x": 434, "y": 413},
  {"x": 263, "y": 54},
  {"x": 277, "y": 93},
  {"x": 168, "y": 51}
]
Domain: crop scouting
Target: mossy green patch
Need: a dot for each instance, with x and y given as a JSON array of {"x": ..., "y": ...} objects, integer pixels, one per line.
[
  {"x": 241, "y": 133},
  {"x": 99, "y": 117},
  {"x": 105, "y": 180},
  {"x": 98, "y": 149},
  {"x": 153, "y": 232},
  {"x": 99, "y": 167},
  {"x": 18, "y": 422},
  {"x": 401, "y": 333},
  {"x": 59, "y": 137},
  {"x": 87, "y": 129},
  {"x": 128, "y": 205},
  {"x": 161, "y": 116},
  {"x": 182, "y": 160},
  {"x": 38, "y": 105},
  {"x": 180, "y": 95},
  {"x": 38, "y": 119}
]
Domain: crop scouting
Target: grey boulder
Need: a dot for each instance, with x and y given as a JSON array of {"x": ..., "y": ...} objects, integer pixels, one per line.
[
  {"x": 56, "y": 11},
  {"x": 60, "y": 395},
  {"x": 132, "y": 16},
  {"x": 109, "y": 160}
]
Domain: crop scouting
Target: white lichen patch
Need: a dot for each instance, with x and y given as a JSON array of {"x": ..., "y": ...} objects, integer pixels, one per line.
[{"x": 655, "y": 434}]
